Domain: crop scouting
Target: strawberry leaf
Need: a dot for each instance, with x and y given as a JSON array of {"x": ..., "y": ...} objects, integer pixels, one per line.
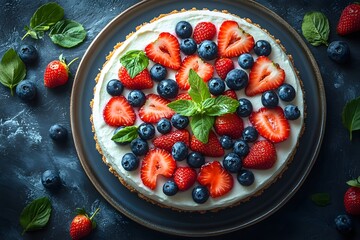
[
  {"x": 201, "y": 125},
  {"x": 321, "y": 199},
  {"x": 351, "y": 116},
  {"x": 198, "y": 92},
  {"x": 134, "y": 61},
  {"x": 184, "y": 107},
  {"x": 315, "y": 28},
  {"x": 354, "y": 182},
  {"x": 126, "y": 134}
]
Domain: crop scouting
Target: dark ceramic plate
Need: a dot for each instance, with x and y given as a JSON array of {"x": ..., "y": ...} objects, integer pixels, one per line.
[{"x": 194, "y": 224}]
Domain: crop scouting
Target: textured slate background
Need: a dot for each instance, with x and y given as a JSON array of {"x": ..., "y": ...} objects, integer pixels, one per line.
[{"x": 26, "y": 149}]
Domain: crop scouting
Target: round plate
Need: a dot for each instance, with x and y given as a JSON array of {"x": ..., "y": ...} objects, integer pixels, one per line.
[{"x": 196, "y": 224}]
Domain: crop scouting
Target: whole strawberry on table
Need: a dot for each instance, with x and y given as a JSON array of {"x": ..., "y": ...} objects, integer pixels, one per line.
[{"x": 82, "y": 224}]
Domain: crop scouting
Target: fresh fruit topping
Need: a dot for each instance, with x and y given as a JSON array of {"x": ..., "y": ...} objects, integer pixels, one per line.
[
  {"x": 158, "y": 72},
  {"x": 271, "y": 124},
  {"x": 26, "y": 90},
  {"x": 130, "y": 162},
  {"x": 168, "y": 88},
  {"x": 170, "y": 188},
  {"x": 226, "y": 142},
  {"x": 211, "y": 149},
  {"x": 233, "y": 41},
  {"x": 237, "y": 79},
  {"x": 28, "y": 54},
  {"x": 188, "y": 46},
  {"x": 215, "y": 178},
  {"x": 122, "y": 141},
  {"x": 200, "y": 194},
  {"x": 204, "y": 31},
  {"x": 241, "y": 148},
  {"x": 114, "y": 87},
  {"x": 262, "y": 155},
  {"x": 286, "y": 92},
  {"x": 232, "y": 162},
  {"x": 183, "y": 29},
  {"x": 352, "y": 197},
  {"x": 216, "y": 86},
  {"x": 264, "y": 75},
  {"x": 349, "y": 21},
  {"x": 154, "y": 109},
  {"x": 230, "y": 93},
  {"x": 179, "y": 121},
  {"x": 195, "y": 160},
  {"x": 269, "y": 99},
  {"x": 165, "y": 50},
  {"x": 57, "y": 72},
  {"x": 250, "y": 134},
  {"x": 291, "y": 112},
  {"x": 179, "y": 151},
  {"x": 184, "y": 177},
  {"x": 139, "y": 147},
  {"x": 245, "y": 177},
  {"x": 118, "y": 112},
  {"x": 156, "y": 162},
  {"x": 50, "y": 179},
  {"x": 223, "y": 66},
  {"x": 229, "y": 124},
  {"x": 136, "y": 98},
  {"x": 208, "y": 50},
  {"x": 58, "y": 132},
  {"x": 168, "y": 140},
  {"x": 82, "y": 225},
  {"x": 344, "y": 223},
  {"x": 245, "y": 107},
  {"x": 262, "y": 48},
  {"x": 246, "y": 60},
  {"x": 338, "y": 51},
  {"x": 183, "y": 96},
  {"x": 146, "y": 131},
  {"x": 163, "y": 126},
  {"x": 203, "y": 69},
  {"x": 141, "y": 81}
]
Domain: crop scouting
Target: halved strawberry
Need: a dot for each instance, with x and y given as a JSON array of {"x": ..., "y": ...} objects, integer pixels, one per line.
[
  {"x": 168, "y": 140},
  {"x": 233, "y": 40},
  {"x": 140, "y": 81},
  {"x": 230, "y": 93},
  {"x": 212, "y": 148},
  {"x": 271, "y": 124},
  {"x": 229, "y": 124},
  {"x": 165, "y": 50},
  {"x": 215, "y": 178},
  {"x": 183, "y": 96},
  {"x": 264, "y": 75},
  {"x": 156, "y": 162},
  {"x": 203, "y": 69},
  {"x": 262, "y": 155},
  {"x": 223, "y": 66},
  {"x": 155, "y": 108},
  {"x": 184, "y": 177},
  {"x": 118, "y": 112},
  {"x": 204, "y": 31}
]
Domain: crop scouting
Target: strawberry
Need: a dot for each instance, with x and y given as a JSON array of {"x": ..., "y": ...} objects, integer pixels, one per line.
[
  {"x": 57, "y": 72},
  {"x": 165, "y": 50},
  {"x": 82, "y": 224},
  {"x": 349, "y": 21},
  {"x": 229, "y": 124},
  {"x": 264, "y": 75},
  {"x": 185, "y": 177},
  {"x": 156, "y": 162},
  {"x": 212, "y": 148},
  {"x": 271, "y": 124},
  {"x": 141, "y": 81},
  {"x": 183, "y": 96},
  {"x": 262, "y": 155},
  {"x": 168, "y": 140},
  {"x": 352, "y": 200},
  {"x": 203, "y": 69},
  {"x": 118, "y": 112},
  {"x": 155, "y": 108},
  {"x": 233, "y": 41},
  {"x": 230, "y": 93},
  {"x": 215, "y": 178},
  {"x": 204, "y": 31},
  {"x": 223, "y": 66}
]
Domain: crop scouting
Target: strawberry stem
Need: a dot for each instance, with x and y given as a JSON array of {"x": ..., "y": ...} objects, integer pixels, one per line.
[
  {"x": 72, "y": 61},
  {"x": 93, "y": 215}
]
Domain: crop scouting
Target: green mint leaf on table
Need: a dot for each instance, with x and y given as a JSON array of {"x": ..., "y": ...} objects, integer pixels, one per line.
[
  {"x": 44, "y": 17},
  {"x": 67, "y": 33},
  {"x": 201, "y": 125},
  {"x": 36, "y": 214},
  {"x": 126, "y": 134},
  {"x": 12, "y": 70},
  {"x": 222, "y": 105},
  {"x": 321, "y": 199},
  {"x": 184, "y": 107},
  {"x": 134, "y": 61},
  {"x": 198, "y": 88},
  {"x": 354, "y": 182},
  {"x": 351, "y": 116},
  {"x": 315, "y": 28}
]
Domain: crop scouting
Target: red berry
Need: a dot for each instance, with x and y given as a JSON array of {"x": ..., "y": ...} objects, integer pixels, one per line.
[
  {"x": 168, "y": 140},
  {"x": 229, "y": 124},
  {"x": 154, "y": 109},
  {"x": 212, "y": 148},
  {"x": 141, "y": 81},
  {"x": 82, "y": 224},
  {"x": 185, "y": 177},
  {"x": 262, "y": 155},
  {"x": 349, "y": 21},
  {"x": 352, "y": 201},
  {"x": 204, "y": 31},
  {"x": 118, "y": 112},
  {"x": 223, "y": 66},
  {"x": 57, "y": 73}
]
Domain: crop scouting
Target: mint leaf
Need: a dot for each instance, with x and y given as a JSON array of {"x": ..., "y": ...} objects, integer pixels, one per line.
[
  {"x": 12, "y": 70},
  {"x": 222, "y": 105},
  {"x": 184, "y": 107},
  {"x": 36, "y": 214},
  {"x": 198, "y": 88},
  {"x": 67, "y": 33},
  {"x": 201, "y": 125},
  {"x": 321, "y": 199},
  {"x": 315, "y": 28},
  {"x": 354, "y": 182},
  {"x": 126, "y": 134},
  {"x": 134, "y": 61},
  {"x": 351, "y": 116}
]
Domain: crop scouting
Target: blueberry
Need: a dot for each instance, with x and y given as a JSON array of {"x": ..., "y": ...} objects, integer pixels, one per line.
[
  {"x": 130, "y": 162},
  {"x": 26, "y": 90},
  {"x": 183, "y": 29},
  {"x": 179, "y": 151},
  {"x": 226, "y": 142},
  {"x": 114, "y": 87},
  {"x": 115, "y": 132},
  {"x": 158, "y": 72},
  {"x": 168, "y": 88},
  {"x": 200, "y": 194},
  {"x": 245, "y": 177},
  {"x": 236, "y": 79},
  {"x": 208, "y": 50},
  {"x": 146, "y": 131},
  {"x": 58, "y": 133},
  {"x": 28, "y": 54},
  {"x": 164, "y": 126},
  {"x": 262, "y": 48},
  {"x": 246, "y": 61},
  {"x": 291, "y": 112},
  {"x": 338, "y": 51},
  {"x": 250, "y": 134},
  {"x": 51, "y": 179},
  {"x": 241, "y": 148},
  {"x": 269, "y": 99},
  {"x": 179, "y": 121},
  {"x": 344, "y": 223},
  {"x": 216, "y": 86},
  {"x": 139, "y": 147},
  {"x": 136, "y": 98},
  {"x": 286, "y": 92},
  {"x": 195, "y": 160},
  {"x": 170, "y": 188},
  {"x": 188, "y": 46},
  {"x": 232, "y": 162},
  {"x": 245, "y": 108}
]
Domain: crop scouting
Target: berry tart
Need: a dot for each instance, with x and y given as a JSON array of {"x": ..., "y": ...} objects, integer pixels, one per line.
[{"x": 198, "y": 110}]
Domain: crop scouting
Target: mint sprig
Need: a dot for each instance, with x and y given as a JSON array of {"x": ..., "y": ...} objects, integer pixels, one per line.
[
  {"x": 126, "y": 134},
  {"x": 321, "y": 199},
  {"x": 134, "y": 61},
  {"x": 67, "y": 33},
  {"x": 351, "y": 116},
  {"x": 315, "y": 28}
]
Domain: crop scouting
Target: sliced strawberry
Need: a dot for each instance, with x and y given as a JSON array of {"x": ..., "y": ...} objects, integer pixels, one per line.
[
  {"x": 204, "y": 31},
  {"x": 223, "y": 66},
  {"x": 118, "y": 112},
  {"x": 203, "y": 69},
  {"x": 212, "y": 148},
  {"x": 185, "y": 177},
  {"x": 183, "y": 96},
  {"x": 168, "y": 140},
  {"x": 215, "y": 178},
  {"x": 271, "y": 124},
  {"x": 155, "y": 108},
  {"x": 229, "y": 124},
  {"x": 165, "y": 50},
  {"x": 262, "y": 155},
  {"x": 233, "y": 40},
  {"x": 156, "y": 162},
  {"x": 140, "y": 81},
  {"x": 264, "y": 75},
  {"x": 230, "y": 93}
]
